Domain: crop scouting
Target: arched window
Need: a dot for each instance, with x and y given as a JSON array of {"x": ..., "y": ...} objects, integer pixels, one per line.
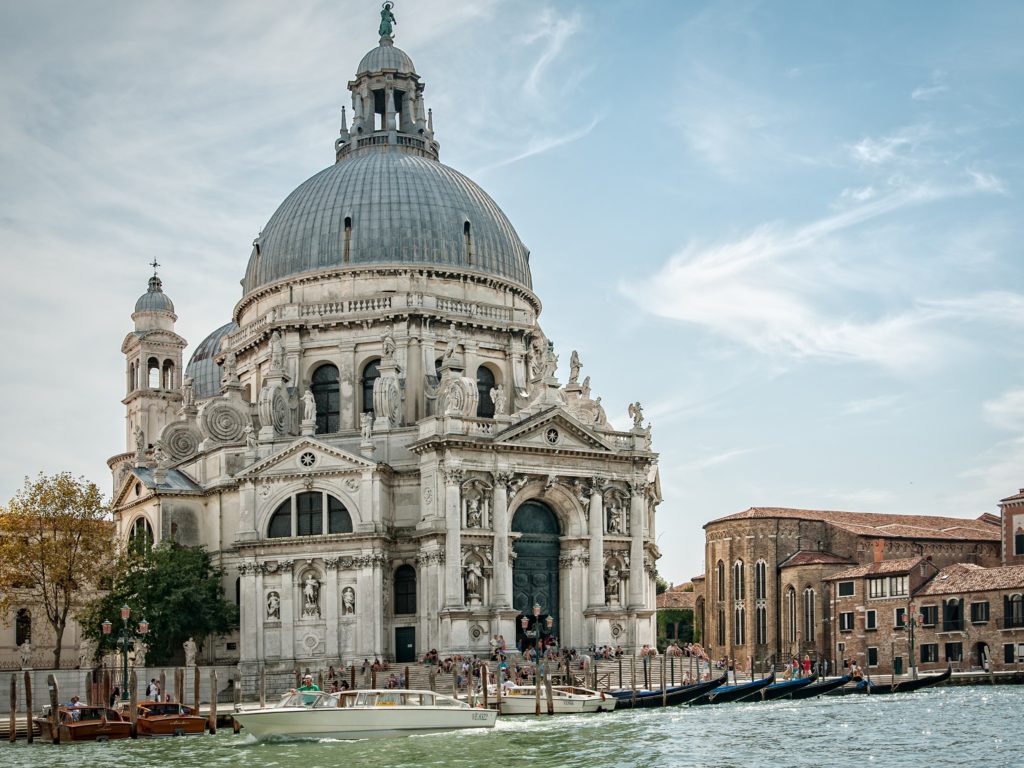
[
  {"x": 761, "y": 580},
  {"x": 141, "y": 535},
  {"x": 791, "y": 614},
  {"x": 720, "y": 577},
  {"x": 468, "y": 237},
  {"x": 809, "y": 615},
  {"x": 1014, "y": 611},
  {"x": 153, "y": 373},
  {"x": 484, "y": 385},
  {"x": 371, "y": 372},
  {"x": 23, "y": 627},
  {"x": 347, "y": 251},
  {"x": 326, "y": 393},
  {"x": 131, "y": 376},
  {"x": 761, "y": 618},
  {"x": 338, "y": 518},
  {"x": 739, "y": 585},
  {"x": 168, "y": 374},
  {"x": 405, "y": 590},
  {"x": 304, "y": 513},
  {"x": 721, "y": 626},
  {"x": 740, "y": 624}
]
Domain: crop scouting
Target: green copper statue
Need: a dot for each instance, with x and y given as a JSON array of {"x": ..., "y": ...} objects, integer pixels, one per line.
[{"x": 387, "y": 19}]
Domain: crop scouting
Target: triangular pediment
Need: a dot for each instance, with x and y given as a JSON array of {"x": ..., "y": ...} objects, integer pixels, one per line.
[
  {"x": 294, "y": 460},
  {"x": 554, "y": 429}
]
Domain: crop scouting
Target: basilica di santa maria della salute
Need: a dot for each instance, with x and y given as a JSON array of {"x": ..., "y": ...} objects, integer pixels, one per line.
[{"x": 376, "y": 447}]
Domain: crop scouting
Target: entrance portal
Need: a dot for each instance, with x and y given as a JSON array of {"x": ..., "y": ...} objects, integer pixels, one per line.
[{"x": 535, "y": 570}]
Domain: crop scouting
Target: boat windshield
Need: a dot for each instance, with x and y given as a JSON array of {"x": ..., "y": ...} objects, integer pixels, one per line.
[{"x": 308, "y": 699}]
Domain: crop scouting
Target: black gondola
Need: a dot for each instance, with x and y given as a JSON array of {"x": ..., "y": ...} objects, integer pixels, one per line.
[
  {"x": 784, "y": 689},
  {"x": 729, "y": 693},
  {"x": 904, "y": 686},
  {"x": 817, "y": 689},
  {"x": 678, "y": 694}
]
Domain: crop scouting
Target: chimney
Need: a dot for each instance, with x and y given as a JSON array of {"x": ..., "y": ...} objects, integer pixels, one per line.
[{"x": 877, "y": 549}]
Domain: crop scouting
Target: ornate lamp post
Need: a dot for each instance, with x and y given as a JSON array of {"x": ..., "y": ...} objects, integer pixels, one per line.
[
  {"x": 125, "y": 639},
  {"x": 911, "y": 620},
  {"x": 537, "y": 628}
]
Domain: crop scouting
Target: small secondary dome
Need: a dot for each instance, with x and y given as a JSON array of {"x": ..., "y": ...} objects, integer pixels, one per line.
[
  {"x": 154, "y": 300},
  {"x": 386, "y": 56},
  {"x": 203, "y": 367}
]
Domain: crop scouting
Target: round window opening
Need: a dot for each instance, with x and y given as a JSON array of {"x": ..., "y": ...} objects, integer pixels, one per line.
[
  {"x": 551, "y": 435},
  {"x": 307, "y": 459}
]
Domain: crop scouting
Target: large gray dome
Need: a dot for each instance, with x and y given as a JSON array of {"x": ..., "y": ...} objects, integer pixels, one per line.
[{"x": 403, "y": 209}]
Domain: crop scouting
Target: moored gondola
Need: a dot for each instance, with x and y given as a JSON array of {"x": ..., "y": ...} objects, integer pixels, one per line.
[
  {"x": 728, "y": 693},
  {"x": 819, "y": 688},
  {"x": 679, "y": 694},
  {"x": 784, "y": 689},
  {"x": 904, "y": 686}
]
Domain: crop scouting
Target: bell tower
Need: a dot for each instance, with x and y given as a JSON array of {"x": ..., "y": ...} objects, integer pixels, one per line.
[{"x": 152, "y": 368}]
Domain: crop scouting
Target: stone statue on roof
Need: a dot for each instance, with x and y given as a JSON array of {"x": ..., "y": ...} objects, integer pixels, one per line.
[{"x": 387, "y": 19}]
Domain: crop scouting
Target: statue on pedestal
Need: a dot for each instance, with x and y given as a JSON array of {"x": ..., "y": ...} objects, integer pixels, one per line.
[
  {"x": 308, "y": 406},
  {"x": 26, "y": 655},
  {"x": 190, "y": 652},
  {"x": 574, "y": 368}
]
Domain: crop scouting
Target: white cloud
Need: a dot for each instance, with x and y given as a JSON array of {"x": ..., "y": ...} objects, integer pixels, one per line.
[
  {"x": 935, "y": 88},
  {"x": 554, "y": 30},
  {"x": 871, "y": 405}
]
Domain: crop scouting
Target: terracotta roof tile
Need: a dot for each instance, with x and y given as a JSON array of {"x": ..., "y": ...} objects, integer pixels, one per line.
[
  {"x": 677, "y": 599},
  {"x": 902, "y": 565},
  {"x": 877, "y": 525},
  {"x": 967, "y": 577}
]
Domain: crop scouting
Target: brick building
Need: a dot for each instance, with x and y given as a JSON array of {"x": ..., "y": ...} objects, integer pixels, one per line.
[{"x": 768, "y": 591}]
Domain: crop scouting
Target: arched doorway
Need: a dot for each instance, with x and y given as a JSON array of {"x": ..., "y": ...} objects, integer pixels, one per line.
[{"x": 535, "y": 570}]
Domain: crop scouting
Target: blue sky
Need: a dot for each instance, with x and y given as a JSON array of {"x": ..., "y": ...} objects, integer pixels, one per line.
[{"x": 792, "y": 230}]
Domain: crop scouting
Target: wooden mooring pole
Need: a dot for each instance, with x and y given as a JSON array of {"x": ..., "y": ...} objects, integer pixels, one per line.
[
  {"x": 235, "y": 725},
  {"x": 179, "y": 685},
  {"x": 30, "y": 735},
  {"x": 163, "y": 685},
  {"x": 195, "y": 688},
  {"x": 549, "y": 693},
  {"x": 213, "y": 702},
  {"x": 13, "y": 735},
  {"x": 263, "y": 687},
  {"x": 51, "y": 684},
  {"x": 432, "y": 675},
  {"x": 663, "y": 690},
  {"x": 536, "y": 689},
  {"x": 485, "y": 674},
  {"x": 632, "y": 675},
  {"x": 133, "y": 701}
]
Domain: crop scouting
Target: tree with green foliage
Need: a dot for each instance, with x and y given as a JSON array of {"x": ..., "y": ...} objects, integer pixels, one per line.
[
  {"x": 176, "y": 589},
  {"x": 55, "y": 548}
]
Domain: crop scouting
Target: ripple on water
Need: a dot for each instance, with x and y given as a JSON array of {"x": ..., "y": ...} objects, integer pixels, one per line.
[{"x": 944, "y": 727}]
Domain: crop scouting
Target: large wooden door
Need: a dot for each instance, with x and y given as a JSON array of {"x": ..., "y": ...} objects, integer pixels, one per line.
[
  {"x": 535, "y": 569},
  {"x": 405, "y": 645}
]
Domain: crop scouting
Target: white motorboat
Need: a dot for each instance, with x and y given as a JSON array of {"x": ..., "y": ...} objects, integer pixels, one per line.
[
  {"x": 567, "y": 699},
  {"x": 362, "y": 715}
]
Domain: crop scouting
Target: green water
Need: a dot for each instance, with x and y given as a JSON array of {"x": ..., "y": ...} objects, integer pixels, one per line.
[{"x": 964, "y": 726}]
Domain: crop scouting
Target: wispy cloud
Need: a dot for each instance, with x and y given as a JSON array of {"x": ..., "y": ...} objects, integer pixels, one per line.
[
  {"x": 719, "y": 458},
  {"x": 932, "y": 90},
  {"x": 538, "y": 145},
  {"x": 553, "y": 30},
  {"x": 870, "y": 405}
]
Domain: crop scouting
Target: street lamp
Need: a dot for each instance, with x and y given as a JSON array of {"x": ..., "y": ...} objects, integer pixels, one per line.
[
  {"x": 911, "y": 620},
  {"x": 537, "y": 628},
  {"x": 125, "y": 639}
]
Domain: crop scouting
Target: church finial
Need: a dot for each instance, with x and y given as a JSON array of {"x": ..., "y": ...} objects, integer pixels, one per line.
[
  {"x": 154, "y": 264},
  {"x": 387, "y": 20},
  {"x": 344, "y": 123}
]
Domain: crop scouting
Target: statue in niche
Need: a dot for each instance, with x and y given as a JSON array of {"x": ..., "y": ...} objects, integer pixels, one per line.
[
  {"x": 348, "y": 601},
  {"x": 140, "y": 441},
  {"x": 366, "y": 423},
  {"x": 473, "y": 517},
  {"x": 611, "y": 585},
  {"x": 474, "y": 575},
  {"x": 276, "y": 352},
  {"x": 308, "y": 406},
  {"x": 250, "y": 437},
  {"x": 274, "y": 606},
  {"x": 614, "y": 518},
  {"x": 574, "y": 368},
  {"x": 389, "y": 345},
  {"x": 190, "y": 652},
  {"x": 188, "y": 393},
  {"x": 636, "y": 412},
  {"x": 311, "y": 597},
  {"x": 500, "y": 398}
]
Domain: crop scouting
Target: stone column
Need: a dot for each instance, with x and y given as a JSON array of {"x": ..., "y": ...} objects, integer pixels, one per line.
[
  {"x": 287, "y": 610},
  {"x": 247, "y": 515},
  {"x": 502, "y": 596},
  {"x": 637, "y": 501},
  {"x": 248, "y": 629},
  {"x": 595, "y": 576},
  {"x": 453, "y": 597},
  {"x": 330, "y": 588}
]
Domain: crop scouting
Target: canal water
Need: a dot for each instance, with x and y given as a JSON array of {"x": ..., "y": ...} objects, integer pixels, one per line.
[{"x": 961, "y": 726}]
